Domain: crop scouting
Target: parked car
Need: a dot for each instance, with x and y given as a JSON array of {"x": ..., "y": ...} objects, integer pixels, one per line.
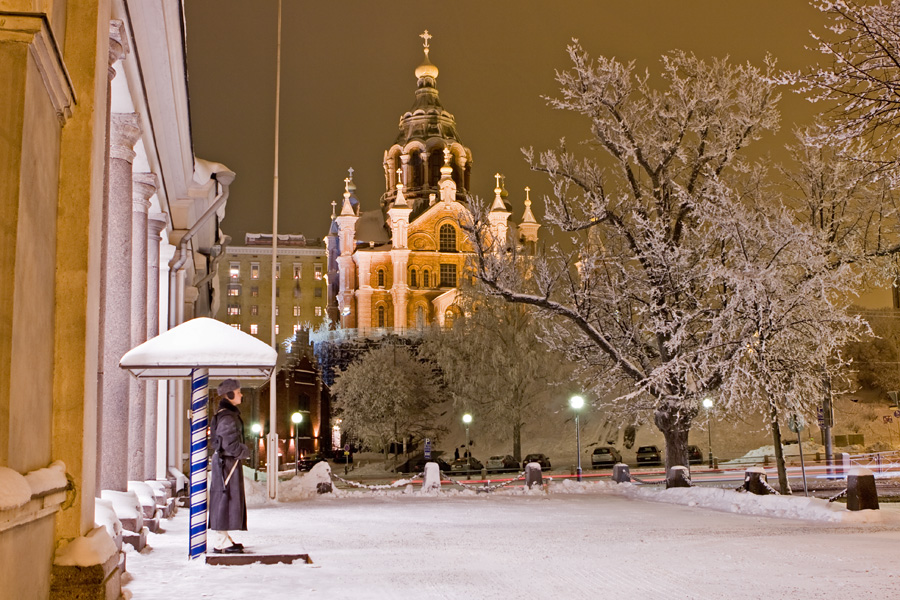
[
  {"x": 305, "y": 463},
  {"x": 695, "y": 455},
  {"x": 649, "y": 455},
  {"x": 541, "y": 459},
  {"x": 466, "y": 465},
  {"x": 605, "y": 456},
  {"x": 417, "y": 464},
  {"x": 502, "y": 463}
]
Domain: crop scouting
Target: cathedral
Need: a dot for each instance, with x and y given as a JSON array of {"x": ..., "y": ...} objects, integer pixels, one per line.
[{"x": 398, "y": 267}]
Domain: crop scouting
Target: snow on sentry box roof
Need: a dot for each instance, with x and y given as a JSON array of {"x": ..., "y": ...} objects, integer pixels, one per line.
[{"x": 201, "y": 343}]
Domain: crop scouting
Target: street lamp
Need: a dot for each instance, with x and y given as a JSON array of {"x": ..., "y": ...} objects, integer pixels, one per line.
[
  {"x": 467, "y": 419},
  {"x": 577, "y": 403},
  {"x": 296, "y": 419},
  {"x": 707, "y": 404}
]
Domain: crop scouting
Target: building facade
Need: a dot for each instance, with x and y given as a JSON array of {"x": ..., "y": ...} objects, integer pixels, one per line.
[
  {"x": 398, "y": 268},
  {"x": 245, "y": 286},
  {"x": 109, "y": 236}
]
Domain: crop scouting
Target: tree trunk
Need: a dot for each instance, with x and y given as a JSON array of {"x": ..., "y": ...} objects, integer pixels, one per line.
[
  {"x": 675, "y": 425},
  {"x": 517, "y": 442},
  {"x": 779, "y": 453}
]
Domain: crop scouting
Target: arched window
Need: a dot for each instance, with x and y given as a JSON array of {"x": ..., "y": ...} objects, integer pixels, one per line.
[
  {"x": 449, "y": 317},
  {"x": 381, "y": 316},
  {"x": 420, "y": 317},
  {"x": 413, "y": 280},
  {"x": 380, "y": 277},
  {"x": 447, "y": 238},
  {"x": 425, "y": 277}
]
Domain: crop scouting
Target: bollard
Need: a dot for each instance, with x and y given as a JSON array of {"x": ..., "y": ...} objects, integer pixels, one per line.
[
  {"x": 861, "y": 492},
  {"x": 678, "y": 477},
  {"x": 621, "y": 473},
  {"x": 533, "y": 475},
  {"x": 432, "y": 480},
  {"x": 756, "y": 481}
]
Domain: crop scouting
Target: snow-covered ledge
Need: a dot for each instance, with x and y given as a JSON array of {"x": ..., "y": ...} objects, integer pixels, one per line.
[{"x": 29, "y": 497}]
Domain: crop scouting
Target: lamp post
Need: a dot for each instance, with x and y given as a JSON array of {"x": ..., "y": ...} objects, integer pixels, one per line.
[
  {"x": 577, "y": 402},
  {"x": 707, "y": 404},
  {"x": 256, "y": 428},
  {"x": 467, "y": 419},
  {"x": 296, "y": 419}
]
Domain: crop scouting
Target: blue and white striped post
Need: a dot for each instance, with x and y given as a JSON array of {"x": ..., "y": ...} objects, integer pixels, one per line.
[{"x": 199, "y": 456}]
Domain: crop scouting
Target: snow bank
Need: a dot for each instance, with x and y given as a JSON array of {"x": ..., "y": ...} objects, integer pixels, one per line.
[
  {"x": 783, "y": 507},
  {"x": 48, "y": 478},
  {"x": 144, "y": 492},
  {"x": 14, "y": 489},
  {"x": 93, "y": 549}
]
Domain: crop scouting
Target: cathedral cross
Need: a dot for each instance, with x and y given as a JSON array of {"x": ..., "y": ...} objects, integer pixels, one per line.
[
  {"x": 497, "y": 176},
  {"x": 426, "y": 36}
]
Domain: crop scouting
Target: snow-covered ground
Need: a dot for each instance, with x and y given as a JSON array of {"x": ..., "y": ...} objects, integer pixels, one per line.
[{"x": 573, "y": 540}]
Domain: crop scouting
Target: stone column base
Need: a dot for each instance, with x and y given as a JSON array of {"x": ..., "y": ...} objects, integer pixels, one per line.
[{"x": 96, "y": 582}]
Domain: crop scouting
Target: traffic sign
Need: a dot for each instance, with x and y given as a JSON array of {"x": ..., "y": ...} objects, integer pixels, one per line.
[
  {"x": 820, "y": 415},
  {"x": 427, "y": 448}
]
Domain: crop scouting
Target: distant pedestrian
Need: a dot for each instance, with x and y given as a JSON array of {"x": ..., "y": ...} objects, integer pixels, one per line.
[
  {"x": 227, "y": 503},
  {"x": 456, "y": 453}
]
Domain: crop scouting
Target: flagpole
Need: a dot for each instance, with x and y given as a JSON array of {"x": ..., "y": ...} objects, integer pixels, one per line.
[{"x": 272, "y": 466}]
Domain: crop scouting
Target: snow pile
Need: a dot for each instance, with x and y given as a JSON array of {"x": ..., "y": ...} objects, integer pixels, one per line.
[
  {"x": 305, "y": 486},
  {"x": 144, "y": 492},
  {"x": 93, "y": 549},
  {"x": 48, "y": 478},
  {"x": 181, "y": 480},
  {"x": 791, "y": 452},
  {"x": 14, "y": 489},
  {"x": 105, "y": 516},
  {"x": 17, "y": 489},
  {"x": 125, "y": 504}
]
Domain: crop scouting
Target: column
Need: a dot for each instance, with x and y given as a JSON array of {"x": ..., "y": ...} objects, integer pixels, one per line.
[
  {"x": 143, "y": 187},
  {"x": 156, "y": 222},
  {"x": 115, "y": 306}
]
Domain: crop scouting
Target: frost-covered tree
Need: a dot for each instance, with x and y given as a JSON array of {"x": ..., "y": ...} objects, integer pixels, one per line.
[
  {"x": 387, "y": 395},
  {"x": 635, "y": 285},
  {"x": 493, "y": 363},
  {"x": 787, "y": 306},
  {"x": 861, "y": 84}
]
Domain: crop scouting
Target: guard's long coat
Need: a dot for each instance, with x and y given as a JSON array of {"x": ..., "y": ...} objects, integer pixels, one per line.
[{"x": 227, "y": 504}]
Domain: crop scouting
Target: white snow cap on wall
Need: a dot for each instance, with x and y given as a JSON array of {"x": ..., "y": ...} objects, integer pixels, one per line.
[{"x": 201, "y": 343}]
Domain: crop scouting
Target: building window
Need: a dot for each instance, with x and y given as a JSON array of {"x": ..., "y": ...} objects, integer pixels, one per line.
[
  {"x": 234, "y": 310},
  {"x": 296, "y": 328},
  {"x": 234, "y": 289},
  {"x": 278, "y": 292},
  {"x": 425, "y": 279},
  {"x": 318, "y": 293},
  {"x": 236, "y": 326},
  {"x": 254, "y": 309},
  {"x": 448, "y": 276},
  {"x": 234, "y": 270},
  {"x": 277, "y": 270},
  {"x": 413, "y": 280},
  {"x": 380, "y": 316},
  {"x": 254, "y": 328},
  {"x": 447, "y": 238},
  {"x": 254, "y": 290},
  {"x": 276, "y": 328},
  {"x": 276, "y": 310},
  {"x": 298, "y": 270},
  {"x": 318, "y": 268},
  {"x": 254, "y": 270},
  {"x": 380, "y": 278},
  {"x": 318, "y": 311},
  {"x": 296, "y": 311}
]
